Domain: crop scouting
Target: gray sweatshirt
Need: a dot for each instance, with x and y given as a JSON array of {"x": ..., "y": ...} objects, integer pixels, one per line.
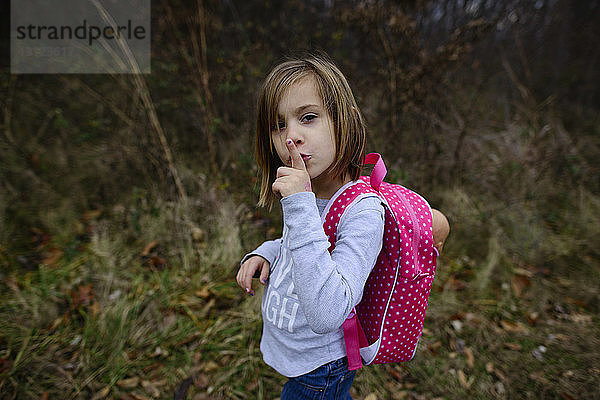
[{"x": 310, "y": 292}]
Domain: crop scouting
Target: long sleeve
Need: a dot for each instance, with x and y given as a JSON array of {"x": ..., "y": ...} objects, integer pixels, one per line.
[
  {"x": 268, "y": 250},
  {"x": 329, "y": 286}
]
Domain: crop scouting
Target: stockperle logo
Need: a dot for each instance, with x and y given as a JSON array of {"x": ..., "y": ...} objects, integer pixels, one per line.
[{"x": 80, "y": 36}]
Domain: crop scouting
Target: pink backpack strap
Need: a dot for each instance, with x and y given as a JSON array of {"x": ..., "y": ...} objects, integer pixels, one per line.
[
  {"x": 355, "y": 338},
  {"x": 379, "y": 170},
  {"x": 354, "y": 335}
]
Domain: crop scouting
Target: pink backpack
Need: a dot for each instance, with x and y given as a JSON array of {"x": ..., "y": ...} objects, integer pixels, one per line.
[{"x": 387, "y": 324}]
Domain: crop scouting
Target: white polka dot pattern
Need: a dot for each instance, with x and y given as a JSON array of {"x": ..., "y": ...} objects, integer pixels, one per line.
[{"x": 395, "y": 296}]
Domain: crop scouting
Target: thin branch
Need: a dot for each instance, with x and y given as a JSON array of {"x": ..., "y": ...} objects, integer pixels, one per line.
[
  {"x": 111, "y": 105},
  {"x": 393, "y": 84},
  {"x": 144, "y": 93},
  {"x": 8, "y": 110}
]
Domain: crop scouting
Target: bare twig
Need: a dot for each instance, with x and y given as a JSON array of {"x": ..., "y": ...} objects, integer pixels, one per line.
[
  {"x": 44, "y": 125},
  {"x": 8, "y": 110},
  {"x": 98, "y": 97},
  {"x": 199, "y": 64},
  {"x": 393, "y": 84},
  {"x": 144, "y": 93},
  {"x": 513, "y": 77}
]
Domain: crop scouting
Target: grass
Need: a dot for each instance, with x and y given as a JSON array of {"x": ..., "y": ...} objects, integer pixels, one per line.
[
  {"x": 110, "y": 322},
  {"x": 134, "y": 297}
]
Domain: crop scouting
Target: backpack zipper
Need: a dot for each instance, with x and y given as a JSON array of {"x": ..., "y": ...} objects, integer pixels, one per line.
[{"x": 416, "y": 236}]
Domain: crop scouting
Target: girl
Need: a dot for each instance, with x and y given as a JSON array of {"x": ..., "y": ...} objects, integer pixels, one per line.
[{"x": 310, "y": 145}]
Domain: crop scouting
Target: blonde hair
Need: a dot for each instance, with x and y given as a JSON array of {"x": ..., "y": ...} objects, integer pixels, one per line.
[{"x": 338, "y": 100}]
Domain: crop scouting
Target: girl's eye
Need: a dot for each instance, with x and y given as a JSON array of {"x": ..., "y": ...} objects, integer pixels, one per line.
[
  {"x": 279, "y": 126},
  {"x": 308, "y": 117}
]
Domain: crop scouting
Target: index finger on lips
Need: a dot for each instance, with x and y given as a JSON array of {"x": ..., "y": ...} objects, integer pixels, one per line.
[{"x": 297, "y": 161}]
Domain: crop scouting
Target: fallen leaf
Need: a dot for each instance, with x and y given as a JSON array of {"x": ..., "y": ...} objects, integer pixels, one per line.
[
  {"x": 12, "y": 283},
  {"x": 44, "y": 396},
  {"x": 460, "y": 316},
  {"x": 470, "y": 357},
  {"x": 83, "y": 296},
  {"x": 211, "y": 366},
  {"x": 576, "y": 302},
  {"x": 500, "y": 375},
  {"x": 462, "y": 378},
  {"x": 128, "y": 383},
  {"x": 95, "y": 308},
  {"x": 518, "y": 284},
  {"x": 101, "y": 394},
  {"x": 92, "y": 214},
  {"x": 160, "y": 382},
  {"x": 513, "y": 346},
  {"x": 433, "y": 348},
  {"x": 489, "y": 367},
  {"x": 568, "y": 374},
  {"x": 532, "y": 317},
  {"x": 457, "y": 345},
  {"x": 472, "y": 317},
  {"x": 457, "y": 284},
  {"x": 399, "y": 395},
  {"x": 581, "y": 319},
  {"x": 252, "y": 385},
  {"x": 139, "y": 396},
  {"x": 5, "y": 365},
  {"x": 149, "y": 247},
  {"x": 564, "y": 282},
  {"x": 561, "y": 337},
  {"x": 150, "y": 389},
  {"x": 153, "y": 368},
  {"x": 39, "y": 239},
  {"x": 157, "y": 262},
  {"x": 514, "y": 327},
  {"x": 203, "y": 293},
  {"x": 539, "y": 377},
  {"x": 51, "y": 256},
  {"x": 201, "y": 381},
  {"x": 207, "y": 307},
  {"x": 197, "y": 234},
  {"x": 168, "y": 320},
  {"x": 371, "y": 396},
  {"x": 396, "y": 374},
  {"x": 567, "y": 396},
  {"x": 522, "y": 272}
]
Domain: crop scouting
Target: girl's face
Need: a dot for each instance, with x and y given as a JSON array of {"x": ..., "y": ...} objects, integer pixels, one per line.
[{"x": 302, "y": 117}]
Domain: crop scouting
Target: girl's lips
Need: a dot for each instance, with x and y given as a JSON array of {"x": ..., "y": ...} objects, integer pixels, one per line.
[{"x": 305, "y": 157}]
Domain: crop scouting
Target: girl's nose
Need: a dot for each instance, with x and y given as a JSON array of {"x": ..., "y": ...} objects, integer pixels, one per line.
[{"x": 294, "y": 134}]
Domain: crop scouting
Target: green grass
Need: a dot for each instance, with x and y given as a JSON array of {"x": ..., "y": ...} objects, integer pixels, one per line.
[
  {"x": 134, "y": 296},
  {"x": 160, "y": 325}
]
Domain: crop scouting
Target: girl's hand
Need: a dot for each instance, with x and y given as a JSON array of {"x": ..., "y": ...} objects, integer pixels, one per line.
[
  {"x": 247, "y": 270},
  {"x": 292, "y": 179}
]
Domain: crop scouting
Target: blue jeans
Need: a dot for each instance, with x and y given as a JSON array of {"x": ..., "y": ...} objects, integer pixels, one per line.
[{"x": 331, "y": 381}]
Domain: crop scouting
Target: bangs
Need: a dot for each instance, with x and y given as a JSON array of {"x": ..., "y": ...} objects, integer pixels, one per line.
[
  {"x": 275, "y": 87},
  {"x": 339, "y": 103}
]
